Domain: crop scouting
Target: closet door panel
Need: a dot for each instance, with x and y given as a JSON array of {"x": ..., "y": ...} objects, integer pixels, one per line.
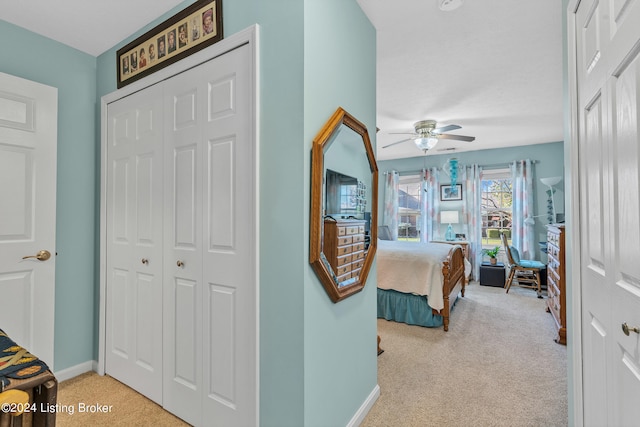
[
  {"x": 221, "y": 197},
  {"x": 134, "y": 242},
  {"x": 146, "y": 210},
  {"x": 145, "y": 322},
  {"x": 185, "y": 367},
  {"x": 229, "y": 255},
  {"x": 221, "y": 301},
  {"x": 119, "y": 309},
  {"x": 183, "y": 248},
  {"x": 184, "y": 185}
]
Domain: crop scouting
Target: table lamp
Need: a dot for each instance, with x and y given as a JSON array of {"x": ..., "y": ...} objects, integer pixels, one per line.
[
  {"x": 550, "y": 182},
  {"x": 449, "y": 217}
]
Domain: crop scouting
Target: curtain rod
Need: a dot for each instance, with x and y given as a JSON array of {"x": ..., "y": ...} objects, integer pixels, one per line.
[
  {"x": 489, "y": 166},
  {"x": 504, "y": 165}
]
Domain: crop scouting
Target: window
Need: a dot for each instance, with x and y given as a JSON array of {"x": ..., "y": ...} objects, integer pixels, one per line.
[
  {"x": 348, "y": 198},
  {"x": 409, "y": 193},
  {"x": 496, "y": 206}
]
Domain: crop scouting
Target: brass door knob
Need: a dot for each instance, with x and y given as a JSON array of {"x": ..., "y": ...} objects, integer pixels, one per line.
[
  {"x": 180, "y": 263},
  {"x": 40, "y": 256},
  {"x": 626, "y": 329}
]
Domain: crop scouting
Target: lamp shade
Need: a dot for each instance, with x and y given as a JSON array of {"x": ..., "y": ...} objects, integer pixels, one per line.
[
  {"x": 449, "y": 217},
  {"x": 530, "y": 219},
  {"x": 551, "y": 181}
]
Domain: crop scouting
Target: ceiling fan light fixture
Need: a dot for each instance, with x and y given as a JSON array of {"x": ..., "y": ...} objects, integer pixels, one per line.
[
  {"x": 449, "y": 5},
  {"x": 426, "y": 135},
  {"x": 426, "y": 143}
]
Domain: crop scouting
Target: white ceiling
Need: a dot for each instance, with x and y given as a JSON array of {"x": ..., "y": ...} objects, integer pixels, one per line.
[
  {"x": 92, "y": 26},
  {"x": 493, "y": 67}
]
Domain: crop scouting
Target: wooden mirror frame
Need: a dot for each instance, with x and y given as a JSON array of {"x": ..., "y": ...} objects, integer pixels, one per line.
[{"x": 321, "y": 143}]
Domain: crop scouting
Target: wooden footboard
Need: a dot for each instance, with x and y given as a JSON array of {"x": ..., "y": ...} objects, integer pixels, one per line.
[{"x": 454, "y": 282}]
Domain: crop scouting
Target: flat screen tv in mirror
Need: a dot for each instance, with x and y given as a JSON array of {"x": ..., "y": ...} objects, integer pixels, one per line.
[{"x": 345, "y": 196}]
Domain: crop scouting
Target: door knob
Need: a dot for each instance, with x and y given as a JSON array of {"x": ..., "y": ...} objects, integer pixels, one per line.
[
  {"x": 40, "y": 256},
  {"x": 145, "y": 261},
  {"x": 180, "y": 263},
  {"x": 626, "y": 329}
]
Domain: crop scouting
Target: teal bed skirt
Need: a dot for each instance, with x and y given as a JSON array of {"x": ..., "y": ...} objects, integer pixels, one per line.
[{"x": 407, "y": 308}]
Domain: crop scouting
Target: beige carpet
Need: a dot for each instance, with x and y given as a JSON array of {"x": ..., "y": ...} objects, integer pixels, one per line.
[
  {"x": 124, "y": 406},
  {"x": 497, "y": 366}
]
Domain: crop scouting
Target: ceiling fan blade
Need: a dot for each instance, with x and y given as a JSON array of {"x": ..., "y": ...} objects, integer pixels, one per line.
[
  {"x": 446, "y": 128},
  {"x": 456, "y": 137},
  {"x": 398, "y": 142}
]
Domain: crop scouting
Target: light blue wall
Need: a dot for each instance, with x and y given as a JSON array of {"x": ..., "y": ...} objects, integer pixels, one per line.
[
  {"x": 549, "y": 162},
  {"x": 340, "y": 339},
  {"x": 30, "y": 56}
]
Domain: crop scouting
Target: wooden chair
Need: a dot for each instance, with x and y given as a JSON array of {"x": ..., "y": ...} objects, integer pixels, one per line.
[{"x": 525, "y": 272}]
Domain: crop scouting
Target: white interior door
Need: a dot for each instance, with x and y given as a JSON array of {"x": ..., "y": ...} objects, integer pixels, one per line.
[
  {"x": 183, "y": 247},
  {"x": 28, "y": 152},
  {"x": 210, "y": 300},
  {"x": 608, "y": 81},
  {"x": 134, "y": 242},
  {"x": 229, "y": 212}
]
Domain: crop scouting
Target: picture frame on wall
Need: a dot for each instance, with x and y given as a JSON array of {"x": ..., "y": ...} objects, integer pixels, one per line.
[
  {"x": 450, "y": 193},
  {"x": 188, "y": 31}
]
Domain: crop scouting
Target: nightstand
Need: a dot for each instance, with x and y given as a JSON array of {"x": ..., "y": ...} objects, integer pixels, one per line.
[{"x": 492, "y": 274}]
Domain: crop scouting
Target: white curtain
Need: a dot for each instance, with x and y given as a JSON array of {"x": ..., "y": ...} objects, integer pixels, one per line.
[
  {"x": 472, "y": 215},
  {"x": 390, "y": 212},
  {"x": 522, "y": 235},
  {"x": 429, "y": 205}
]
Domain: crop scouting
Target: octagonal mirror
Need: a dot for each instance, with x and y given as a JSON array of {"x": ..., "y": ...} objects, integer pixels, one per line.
[{"x": 344, "y": 205}]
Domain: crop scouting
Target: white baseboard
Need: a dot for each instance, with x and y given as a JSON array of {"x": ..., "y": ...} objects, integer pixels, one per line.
[
  {"x": 358, "y": 417},
  {"x": 74, "y": 371}
]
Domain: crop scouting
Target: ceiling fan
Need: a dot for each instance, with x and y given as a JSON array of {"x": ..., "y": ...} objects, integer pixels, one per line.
[{"x": 426, "y": 135}]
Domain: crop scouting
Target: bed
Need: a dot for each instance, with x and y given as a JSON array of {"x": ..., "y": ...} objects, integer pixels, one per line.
[{"x": 418, "y": 283}]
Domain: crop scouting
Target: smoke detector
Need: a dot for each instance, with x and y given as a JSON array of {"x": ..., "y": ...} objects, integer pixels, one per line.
[{"x": 449, "y": 5}]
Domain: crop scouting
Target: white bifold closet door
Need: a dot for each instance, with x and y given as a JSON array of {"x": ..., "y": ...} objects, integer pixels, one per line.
[
  {"x": 135, "y": 242},
  {"x": 207, "y": 306}
]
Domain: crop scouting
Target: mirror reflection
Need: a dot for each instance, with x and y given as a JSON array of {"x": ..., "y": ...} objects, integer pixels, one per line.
[
  {"x": 345, "y": 195},
  {"x": 344, "y": 200}
]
